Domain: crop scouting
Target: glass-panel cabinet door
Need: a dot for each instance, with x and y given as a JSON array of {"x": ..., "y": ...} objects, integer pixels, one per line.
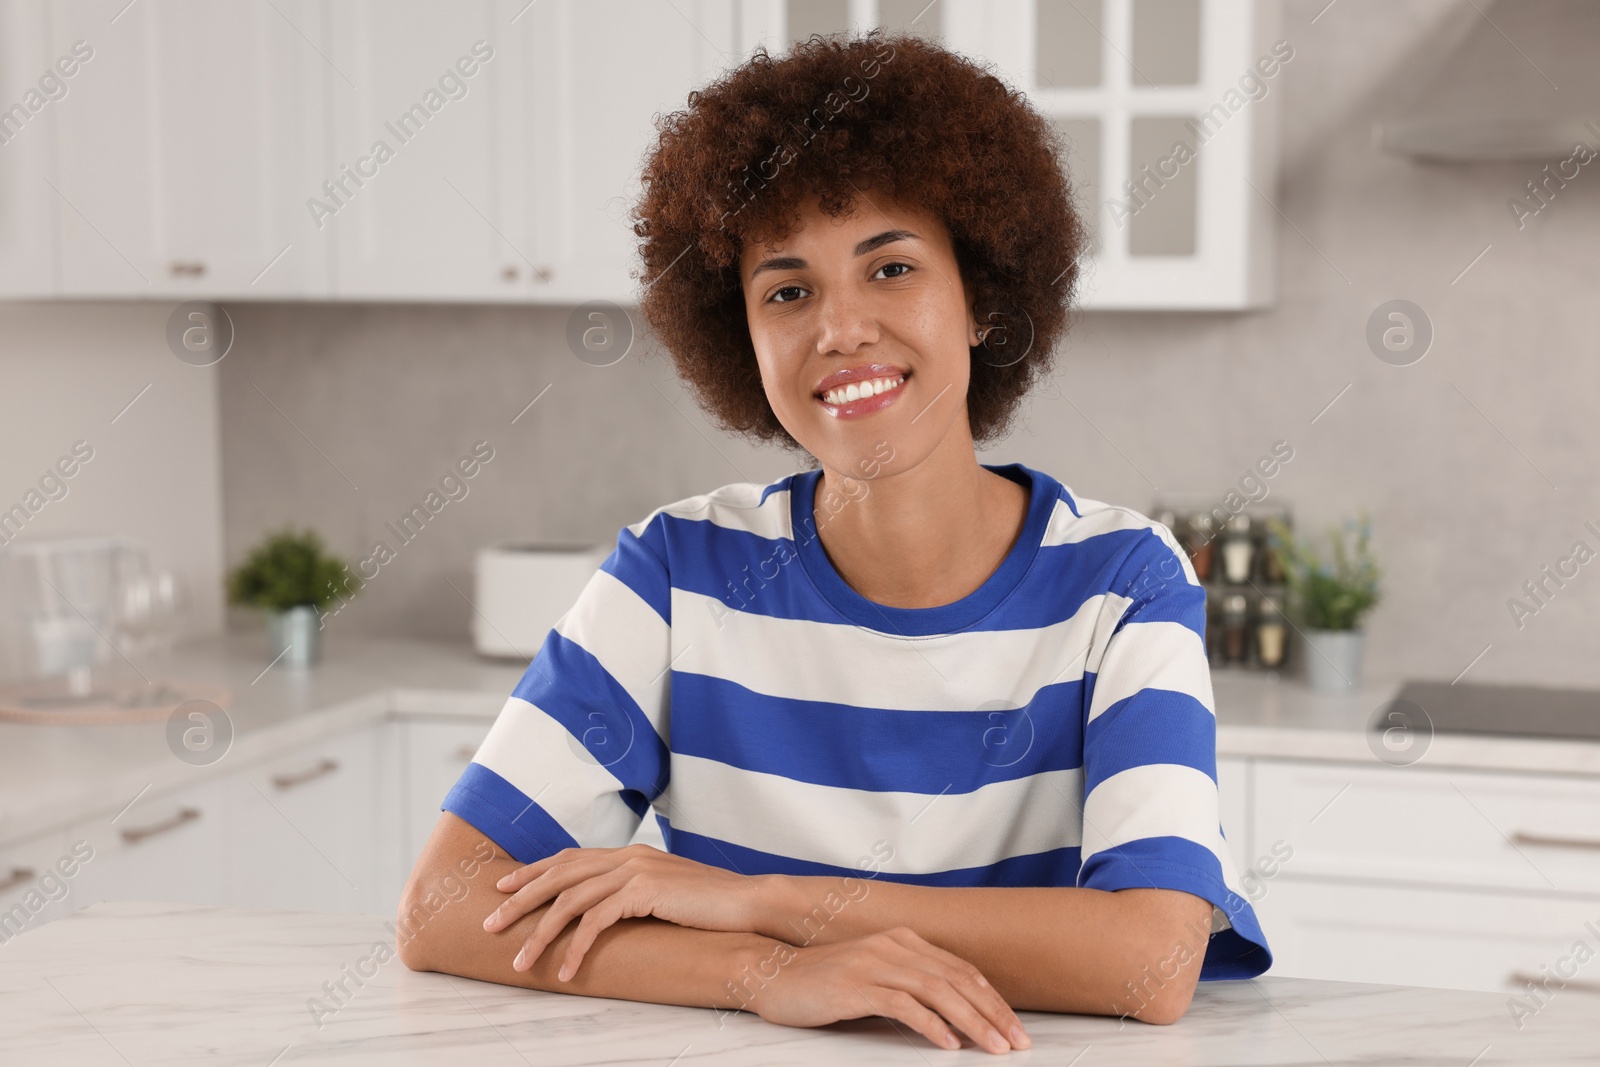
[{"x": 778, "y": 24}]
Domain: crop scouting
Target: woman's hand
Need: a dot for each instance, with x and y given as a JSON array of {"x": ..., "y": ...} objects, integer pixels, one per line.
[
  {"x": 607, "y": 884},
  {"x": 894, "y": 973}
]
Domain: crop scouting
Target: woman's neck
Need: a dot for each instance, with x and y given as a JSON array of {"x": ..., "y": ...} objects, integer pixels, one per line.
[{"x": 922, "y": 537}]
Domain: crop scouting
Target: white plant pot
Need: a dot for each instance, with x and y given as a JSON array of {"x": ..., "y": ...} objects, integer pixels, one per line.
[
  {"x": 296, "y": 630},
  {"x": 1333, "y": 659}
]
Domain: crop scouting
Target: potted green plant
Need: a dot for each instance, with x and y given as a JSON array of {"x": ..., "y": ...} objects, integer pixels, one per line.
[
  {"x": 1330, "y": 599},
  {"x": 291, "y": 578}
]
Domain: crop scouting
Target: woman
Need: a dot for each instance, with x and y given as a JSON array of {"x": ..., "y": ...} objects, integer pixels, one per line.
[{"x": 926, "y": 738}]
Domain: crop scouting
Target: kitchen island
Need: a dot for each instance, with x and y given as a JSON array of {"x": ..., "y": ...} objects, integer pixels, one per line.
[{"x": 150, "y": 983}]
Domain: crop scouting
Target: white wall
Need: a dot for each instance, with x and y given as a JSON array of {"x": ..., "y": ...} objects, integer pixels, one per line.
[{"x": 67, "y": 370}]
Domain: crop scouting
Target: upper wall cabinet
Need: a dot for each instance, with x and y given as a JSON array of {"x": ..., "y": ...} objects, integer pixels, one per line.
[
  {"x": 490, "y": 150},
  {"x": 1167, "y": 111},
  {"x": 188, "y": 139}
]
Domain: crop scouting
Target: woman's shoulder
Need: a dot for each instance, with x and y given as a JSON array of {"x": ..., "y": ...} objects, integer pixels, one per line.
[
  {"x": 761, "y": 508},
  {"x": 1114, "y": 528}
]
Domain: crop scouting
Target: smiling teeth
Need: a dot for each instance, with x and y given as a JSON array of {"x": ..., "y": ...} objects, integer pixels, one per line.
[{"x": 856, "y": 390}]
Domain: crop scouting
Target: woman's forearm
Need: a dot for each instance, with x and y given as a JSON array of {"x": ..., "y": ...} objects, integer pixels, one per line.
[{"x": 1064, "y": 949}]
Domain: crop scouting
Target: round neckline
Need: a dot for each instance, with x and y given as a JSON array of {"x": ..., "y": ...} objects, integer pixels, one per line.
[{"x": 920, "y": 622}]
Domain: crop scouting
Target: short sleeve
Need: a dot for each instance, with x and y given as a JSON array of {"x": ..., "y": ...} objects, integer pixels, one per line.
[
  {"x": 579, "y": 751},
  {"x": 1151, "y": 811}
]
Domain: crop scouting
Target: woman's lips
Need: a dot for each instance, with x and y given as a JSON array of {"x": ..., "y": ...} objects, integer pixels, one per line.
[{"x": 866, "y": 405}]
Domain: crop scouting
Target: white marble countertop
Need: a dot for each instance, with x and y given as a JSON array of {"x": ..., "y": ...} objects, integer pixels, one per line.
[
  {"x": 148, "y": 983},
  {"x": 53, "y": 776}
]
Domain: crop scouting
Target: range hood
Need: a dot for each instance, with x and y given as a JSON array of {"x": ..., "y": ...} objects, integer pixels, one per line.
[{"x": 1508, "y": 80}]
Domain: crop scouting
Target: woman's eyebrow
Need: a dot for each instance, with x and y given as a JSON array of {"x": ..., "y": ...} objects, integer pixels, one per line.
[{"x": 871, "y": 244}]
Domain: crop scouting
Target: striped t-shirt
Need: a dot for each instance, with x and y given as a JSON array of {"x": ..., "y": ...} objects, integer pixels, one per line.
[{"x": 1055, "y": 727}]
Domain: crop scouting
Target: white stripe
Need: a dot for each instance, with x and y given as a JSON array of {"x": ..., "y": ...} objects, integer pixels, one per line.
[
  {"x": 843, "y": 664},
  {"x": 1099, "y": 518},
  {"x": 617, "y": 627},
  {"x": 929, "y": 833},
  {"x": 1157, "y": 800},
  {"x": 541, "y": 758},
  {"x": 737, "y": 506},
  {"x": 1152, "y": 655}
]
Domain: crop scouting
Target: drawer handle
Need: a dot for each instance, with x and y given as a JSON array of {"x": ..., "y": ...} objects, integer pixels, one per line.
[
  {"x": 133, "y": 835},
  {"x": 188, "y": 268},
  {"x": 17, "y": 876},
  {"x": 289, "y": 781},
  {"x": 1521, "y": 978},
  {"x": 1522, "y": 837},
  {"x": 466, "y": 752}
]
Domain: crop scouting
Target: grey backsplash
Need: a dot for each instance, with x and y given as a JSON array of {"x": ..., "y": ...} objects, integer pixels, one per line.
[{"x": 1479, "y": 465}]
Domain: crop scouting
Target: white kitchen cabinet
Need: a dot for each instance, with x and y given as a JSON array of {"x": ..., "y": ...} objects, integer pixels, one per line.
[
  {"x": 311, "y": 830},
  {"x": 27, "y": 150},
  {"x": 38, "y": 880},
  {"x": 1431, "y": 825},
  {"x": 1124, "y": 81},
  {"x": 187, "y": 147},
  {"x": 164, "y": 846},
  {"x": 1233, "y": 795},
  {"x": 416, "y": 208},
  {"x": 435, "y": 753},
  {"x": 1453, "y": 939},
  {"x": 585, "y": 80}
]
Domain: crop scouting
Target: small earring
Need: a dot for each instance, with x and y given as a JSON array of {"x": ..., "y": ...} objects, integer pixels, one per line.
[{"x": 981, "y": 335}]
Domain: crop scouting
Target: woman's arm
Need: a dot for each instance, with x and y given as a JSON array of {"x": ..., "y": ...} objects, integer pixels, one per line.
[
  {"x": 452, "y": 888},
  {"x": 1133, "y": 952}
]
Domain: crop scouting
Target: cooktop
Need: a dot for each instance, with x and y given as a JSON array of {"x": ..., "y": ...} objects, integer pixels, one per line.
[{"x": 1515, "y": 710}]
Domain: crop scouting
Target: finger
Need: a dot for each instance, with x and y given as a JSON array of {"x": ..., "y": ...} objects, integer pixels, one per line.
[
  {"x": 569, "y": 904},
  {"x": 936, "y": 992},
  {"x": 898, "y": 1004},
  {"x": 555, "y": 880},
  {"x": 515, "y": 880},
  {"x": 972, "y": 984},
  {"x": 596, "y": 919}
]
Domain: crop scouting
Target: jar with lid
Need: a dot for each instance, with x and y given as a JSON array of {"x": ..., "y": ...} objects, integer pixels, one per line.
[
  {"x": 1235, "y": 628},
  {"x": 1271, "y": 559},
  {"x": 1271, "y": 632},
  {"x": 1197, "y": 542},
  {"x": 1238, "y": 549}
]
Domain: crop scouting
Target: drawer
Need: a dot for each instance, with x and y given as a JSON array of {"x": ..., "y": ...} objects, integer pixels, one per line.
[
  {"x": 1421, "y": 825},
  {"x": 1453, "y": 939},
  {"x": 1233, "y": 795}
]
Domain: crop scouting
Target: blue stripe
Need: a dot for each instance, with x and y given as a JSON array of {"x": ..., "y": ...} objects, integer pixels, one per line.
[
  {"x": 638, "y": 563},
  {"x": 884, "y": 749},
  {"x": 505, "y": 815},
  {"x": 1056, "y": 867},
  {"x": 1178, "y": 863},
  {"x": 567, "y": 683},
  {"x": 1151, "y": 726}
]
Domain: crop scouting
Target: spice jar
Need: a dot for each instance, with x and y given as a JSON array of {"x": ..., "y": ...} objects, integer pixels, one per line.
[
  {"x": 1271, "y": 562},
  {"x": 1197, "y": 543},
  {"x": 1238, "y": 549},
  {"x": 1235, "y": 628},
  {"x": 1270, "y": 633}
]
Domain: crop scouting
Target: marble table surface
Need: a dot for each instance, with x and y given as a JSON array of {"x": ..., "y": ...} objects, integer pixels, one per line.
[{"x": 135, "y": 983}]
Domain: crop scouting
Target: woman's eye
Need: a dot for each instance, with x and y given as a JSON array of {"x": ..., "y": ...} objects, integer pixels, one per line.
[
  {"x": 891, "y": 266},
  {"x": 778, "y": 297}
]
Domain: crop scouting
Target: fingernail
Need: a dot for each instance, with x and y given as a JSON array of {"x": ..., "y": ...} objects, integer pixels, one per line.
[
  {"x": 996, "y": 1042},
  {"x": 488, "y": 922},
  {"x": 565, "y": 972},
  {"x": 522, "y": 958},
  {"x": 1019, "y": 1037},
  {"x": 951, "y": 1040}
]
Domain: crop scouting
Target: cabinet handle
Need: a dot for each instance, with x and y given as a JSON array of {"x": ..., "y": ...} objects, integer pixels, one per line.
[
  {"x": 188, "y": 268},
  {"x": 289, "y": 781},
  {"x": 542, "y": 273},
  {"x": 1522, "y": 837},
  {"x": 510, "y": 273},
  {"x": 133, "y": 835},
  {"x": 466, "y": 752},
  {"x": 1521, "y": 978},
  {"x": 17, "y": 876}
]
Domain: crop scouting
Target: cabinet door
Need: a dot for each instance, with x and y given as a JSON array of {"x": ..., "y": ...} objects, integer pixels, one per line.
[
  {"x": 1453, "y": 939},
  {"x": 1233, "y": 793},
  {"x": 435, "y": 754},
  {"x": 307, "y": 828},
  {"x": 28, "y": 73},
  {"x": 414, "y": 210},
  {"x": 165, "y": 846},
  {"x": 594, "y": 73},
  {"x": 38, "y": 878},
  {"x": 188, "y": 146}
]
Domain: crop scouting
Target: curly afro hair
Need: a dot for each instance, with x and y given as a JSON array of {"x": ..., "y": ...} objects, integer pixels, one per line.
[{"x": 835, "y": 117}]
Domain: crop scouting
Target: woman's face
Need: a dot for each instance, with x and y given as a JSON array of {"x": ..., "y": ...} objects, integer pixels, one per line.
[{"x": 862, "y": 327}]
